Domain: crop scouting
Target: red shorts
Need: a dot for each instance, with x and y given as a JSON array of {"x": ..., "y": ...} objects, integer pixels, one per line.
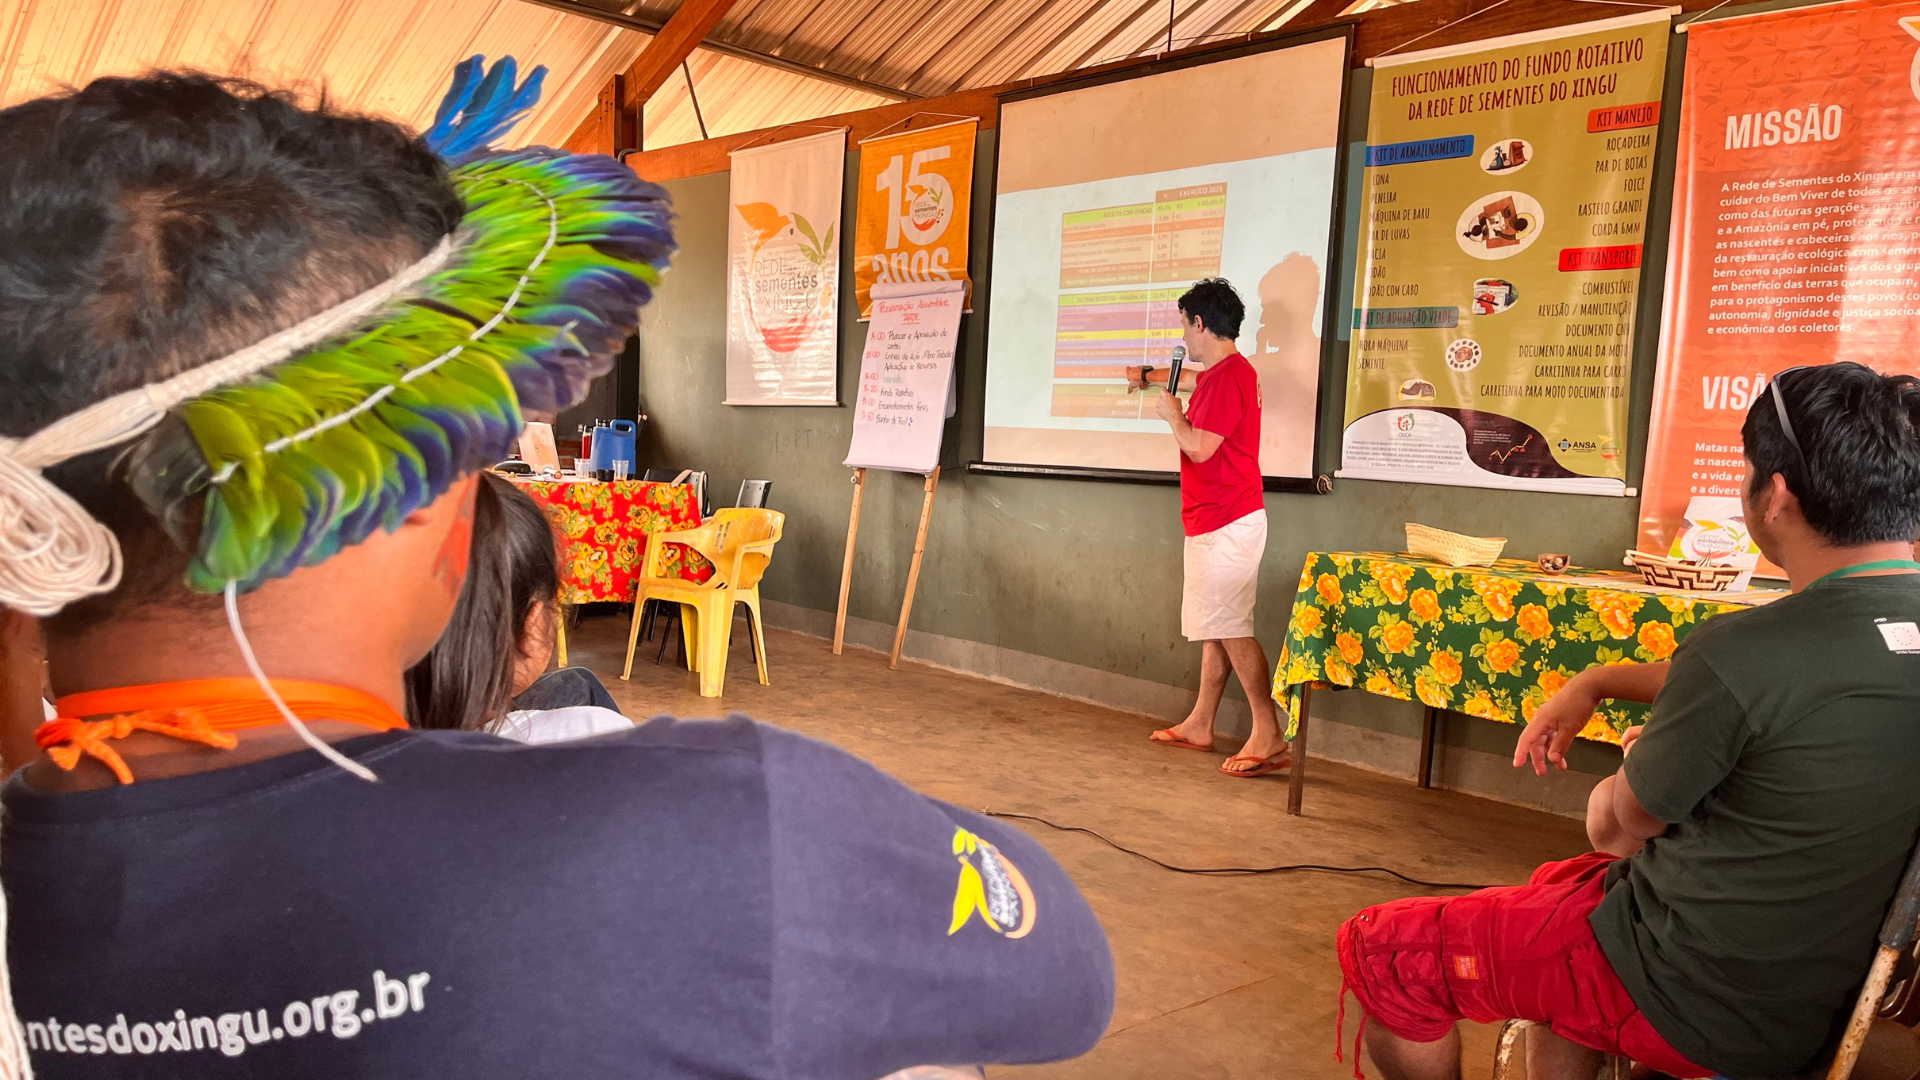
[{"x": 1522, "y": 952}]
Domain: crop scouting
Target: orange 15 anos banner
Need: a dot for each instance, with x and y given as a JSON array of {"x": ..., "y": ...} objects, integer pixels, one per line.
[
  {"x": 1796, "y": 232},
  {"x": 915, "y": 191}
]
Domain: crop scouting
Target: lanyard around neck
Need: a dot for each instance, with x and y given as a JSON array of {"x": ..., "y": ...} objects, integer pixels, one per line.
[{"x": 1861, "y": 568}]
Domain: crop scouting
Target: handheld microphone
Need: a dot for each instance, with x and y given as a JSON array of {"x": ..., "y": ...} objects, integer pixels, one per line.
[{"x": 1173, "y": 376}]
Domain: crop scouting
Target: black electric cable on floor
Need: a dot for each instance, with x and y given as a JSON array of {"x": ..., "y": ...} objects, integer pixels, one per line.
[{"x": 1208, "y": 871}]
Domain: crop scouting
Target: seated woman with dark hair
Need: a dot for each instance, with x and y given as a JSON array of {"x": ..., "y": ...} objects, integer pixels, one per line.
[{"x": 486, "y": 672}]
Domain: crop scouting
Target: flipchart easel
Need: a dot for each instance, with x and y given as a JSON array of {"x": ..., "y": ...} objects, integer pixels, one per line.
[{"x": 906, "y": 377}]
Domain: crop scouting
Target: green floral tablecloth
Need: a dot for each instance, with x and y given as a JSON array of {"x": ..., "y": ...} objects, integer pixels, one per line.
[{"x": 1486, "y": 641}]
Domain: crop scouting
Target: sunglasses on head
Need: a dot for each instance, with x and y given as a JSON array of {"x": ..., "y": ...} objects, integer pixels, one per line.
[{"x": 1780, "y": 410}]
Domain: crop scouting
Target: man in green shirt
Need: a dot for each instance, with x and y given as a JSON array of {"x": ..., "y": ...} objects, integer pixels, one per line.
[{"x": 1748, "y": 847}]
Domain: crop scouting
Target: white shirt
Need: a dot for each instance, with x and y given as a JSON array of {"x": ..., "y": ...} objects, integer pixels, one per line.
[{"x": 558, "y": 725}]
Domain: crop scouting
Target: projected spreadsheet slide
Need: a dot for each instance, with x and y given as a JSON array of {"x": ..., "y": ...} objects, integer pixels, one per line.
[{"x": 1174, "y": 238}]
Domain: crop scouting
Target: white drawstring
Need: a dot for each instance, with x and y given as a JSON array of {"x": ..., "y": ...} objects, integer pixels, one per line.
[{"x": 266, "y": 684}]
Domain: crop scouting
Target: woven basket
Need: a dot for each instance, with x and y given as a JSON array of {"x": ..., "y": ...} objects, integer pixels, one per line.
[
  {"x": 1681, "y": 574},
  {"x": 1453, "y": 548}
]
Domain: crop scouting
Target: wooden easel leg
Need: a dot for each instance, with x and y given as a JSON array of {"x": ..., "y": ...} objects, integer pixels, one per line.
[
  {"x": 1297, "y": 781},
  {"x": 846, "y": 566},
  {"x": 1429, "y": 720},
  {"x": 560, "y": 634},
  {"x": 913, "y": 574}
]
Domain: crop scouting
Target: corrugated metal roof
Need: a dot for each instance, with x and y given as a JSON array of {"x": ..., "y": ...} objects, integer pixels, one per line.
[
  {"x": 739, "y": 95},
  {"x": 392, "y": 57},
  {"x": 933, "y": 47}
]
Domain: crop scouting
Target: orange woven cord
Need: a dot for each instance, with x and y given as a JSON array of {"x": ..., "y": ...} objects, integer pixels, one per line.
[
  {"x": 195, "y": 710},
  {"x": 228, "y": 704},
  {"x": 65, "y": 739}
]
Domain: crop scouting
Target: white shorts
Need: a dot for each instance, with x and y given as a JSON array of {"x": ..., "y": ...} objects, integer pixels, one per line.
[{"x": 1222, "y": 576}]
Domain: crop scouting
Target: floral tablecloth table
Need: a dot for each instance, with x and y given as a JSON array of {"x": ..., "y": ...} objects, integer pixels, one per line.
[
  {"x": 1490, "y": 641},
  {"x": 606, "y": 527}
]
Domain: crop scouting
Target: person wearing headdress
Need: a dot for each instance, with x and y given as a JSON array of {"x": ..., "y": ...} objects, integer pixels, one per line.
[{"x": 254, "y": 354}]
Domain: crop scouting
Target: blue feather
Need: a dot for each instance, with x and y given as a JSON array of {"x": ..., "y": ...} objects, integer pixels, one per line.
[
  {"x": 456, "y": 99},
  {"x": 477, "y": 110}
]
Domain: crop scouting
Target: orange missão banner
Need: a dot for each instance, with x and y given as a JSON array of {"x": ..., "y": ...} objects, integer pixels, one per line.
[
  {"x": 916, "y": 189},
  {"x": 1796, "y": 233}
]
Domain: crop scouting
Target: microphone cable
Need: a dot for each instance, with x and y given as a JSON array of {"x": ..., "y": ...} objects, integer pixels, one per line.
[{"x": 1246, "y": 871}]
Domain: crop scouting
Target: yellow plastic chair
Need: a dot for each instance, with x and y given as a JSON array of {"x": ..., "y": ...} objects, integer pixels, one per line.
[{"x": 739, "y": 543}]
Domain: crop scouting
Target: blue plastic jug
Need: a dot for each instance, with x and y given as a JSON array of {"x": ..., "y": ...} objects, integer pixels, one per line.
[{"x": 615, "y": 442}]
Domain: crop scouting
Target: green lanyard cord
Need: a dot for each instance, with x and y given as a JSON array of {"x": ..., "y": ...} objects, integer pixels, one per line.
[{"x": 1861, "y": 568}]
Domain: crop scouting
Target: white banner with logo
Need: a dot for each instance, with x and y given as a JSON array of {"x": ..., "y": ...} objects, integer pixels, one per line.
[{"x": 783, "y": 272}]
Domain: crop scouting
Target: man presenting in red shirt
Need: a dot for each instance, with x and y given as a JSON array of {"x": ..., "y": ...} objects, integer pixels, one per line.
[{"x": 1225, "y": 517}]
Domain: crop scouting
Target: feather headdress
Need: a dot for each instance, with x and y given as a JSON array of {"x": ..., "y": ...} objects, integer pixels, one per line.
[{"x": 315, "y": 438}]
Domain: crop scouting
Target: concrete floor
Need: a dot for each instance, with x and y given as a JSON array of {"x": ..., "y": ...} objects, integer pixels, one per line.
[{"x": 1218, "y": 977}]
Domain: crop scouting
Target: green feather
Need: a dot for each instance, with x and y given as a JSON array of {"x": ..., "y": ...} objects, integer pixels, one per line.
[{"x": 268, "y": 512}]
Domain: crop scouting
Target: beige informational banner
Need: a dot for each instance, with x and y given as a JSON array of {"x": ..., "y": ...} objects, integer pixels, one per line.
[
  {"x": 783, "y": 272},
  {"x": 1499, "y": 271},
  {"x": 916, "y": 191}
]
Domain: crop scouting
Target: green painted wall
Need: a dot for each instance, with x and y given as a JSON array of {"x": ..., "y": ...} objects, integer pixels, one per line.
[{"x": 1087, "y": 573}]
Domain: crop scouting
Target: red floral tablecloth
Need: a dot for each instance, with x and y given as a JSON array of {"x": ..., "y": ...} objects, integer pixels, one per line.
[{"x": 606, "y": 527}]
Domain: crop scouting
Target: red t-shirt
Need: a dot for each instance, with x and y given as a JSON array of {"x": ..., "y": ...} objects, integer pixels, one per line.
[{"x": 1226, "y": 487}]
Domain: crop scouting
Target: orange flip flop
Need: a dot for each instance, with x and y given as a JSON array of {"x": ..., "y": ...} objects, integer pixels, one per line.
[
  {"x": 1277, "y": 763},
  {"x": 1175, "y": 740}
]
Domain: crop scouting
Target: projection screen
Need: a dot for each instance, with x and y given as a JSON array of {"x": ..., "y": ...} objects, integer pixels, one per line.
[{"x": 1112, "y": 199}]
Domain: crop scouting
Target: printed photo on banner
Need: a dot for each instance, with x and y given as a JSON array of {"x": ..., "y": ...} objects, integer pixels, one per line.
[
  {"x": 783, "y": 272},
  {"x": 1505, "y": 202},
  {"x": 916, "y": 192},
  {"x": 1794, "y": 240}
]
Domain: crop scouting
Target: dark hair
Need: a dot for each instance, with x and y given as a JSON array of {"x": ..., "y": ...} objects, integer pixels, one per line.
[
  {"x": 1859, "y": 481},
  {"x": 1218, "y": 307},
  {"x": 153, "y": 224},
  {"x": 467, "y": 680}
]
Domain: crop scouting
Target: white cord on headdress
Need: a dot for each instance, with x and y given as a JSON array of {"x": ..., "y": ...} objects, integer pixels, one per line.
[
  {"x": 52, "y": 552},
  {"x": 375, "y": 398},
  {"x": 266, "y": 684},
  {"x": 553, "y": 238}
]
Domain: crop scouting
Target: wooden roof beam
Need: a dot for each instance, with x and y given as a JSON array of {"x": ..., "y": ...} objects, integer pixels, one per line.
[
  {"x": 676, "y": 41},
  {"x": 724, "y": 48}
]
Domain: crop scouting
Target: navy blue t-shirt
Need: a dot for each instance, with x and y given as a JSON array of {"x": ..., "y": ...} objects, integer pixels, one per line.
[{"x": 687, "y": 899}]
